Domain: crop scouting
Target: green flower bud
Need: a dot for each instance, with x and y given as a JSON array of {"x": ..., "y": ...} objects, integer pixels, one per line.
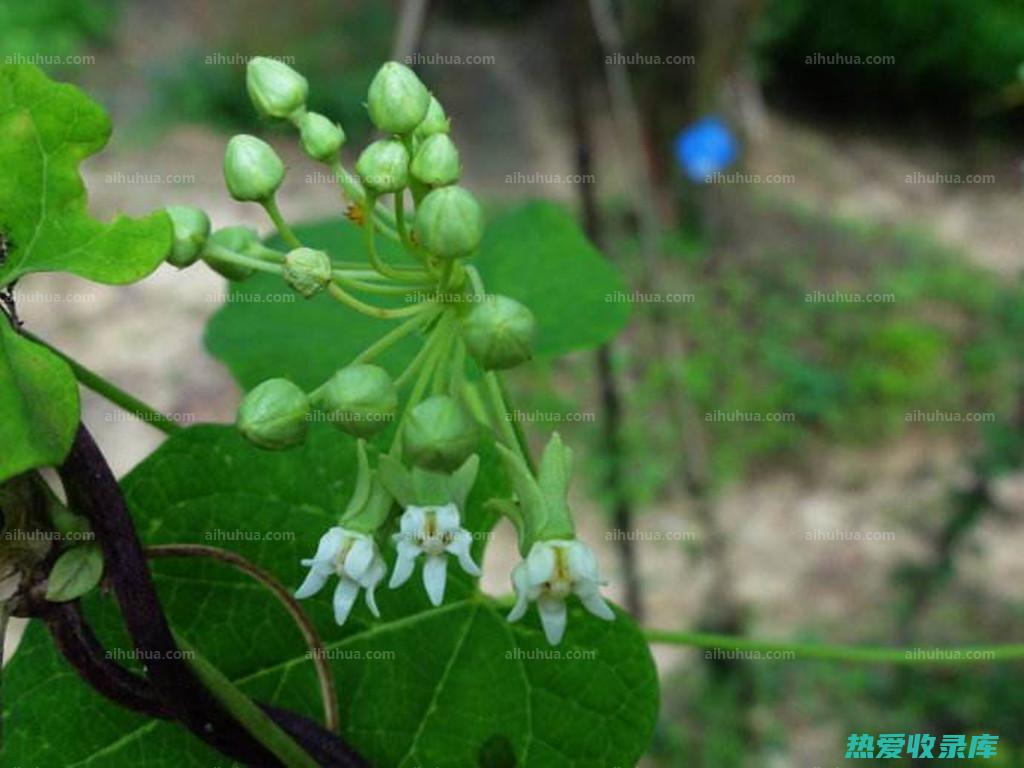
[
  {"x": 239, "y": 239},
  {"x": 308, "y": 271},
  {"x": 191, "y": 228},
  {"x": 384, "y": 166},
  {"x": 252, "y": 169},
  {"x": 321, "y": 138},
  {"x": 397, "y": 100},
  {"x": 359, "y": 399},
  {"x": 274, "y": 415},
  {"x": 449, "y": 222},
  {"x": 434, "y": 122},
  {"x": 439, "y": 435},
  {"x": 436, "y": 162},
  {"x": 498, "y": 332},
  {"x": 276, "y": 89}
]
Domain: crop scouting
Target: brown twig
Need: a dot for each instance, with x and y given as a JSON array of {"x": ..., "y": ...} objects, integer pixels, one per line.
[{"x": 316, "y": 647}]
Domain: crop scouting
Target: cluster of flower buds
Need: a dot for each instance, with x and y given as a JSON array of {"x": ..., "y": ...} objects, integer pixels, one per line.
[{"x": 434, "y": 412}]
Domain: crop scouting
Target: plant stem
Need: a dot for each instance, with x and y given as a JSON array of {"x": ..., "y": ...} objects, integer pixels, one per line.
[
  {"x": 395, "y": 335},
  {"x": 251, "y": 717},
  {"x": 316, "y": 647},
  {"x": 847, "y": 653},
  {"x": 375, "y": 260},
  {"x": 380, "y": 289},
  {"x": 270, "y": 206},
  {"x": 113, "y": 393},
  {"x": 501, "y": 413},
  {"x": 93, "y": 491},
  {"x": 425, "y": 353},
  {"x": 81, "y": 648},
  {"x": 242, "y": 260},
  {"x": 351, "y": 189},
  {"x": 369, "y": 309}
]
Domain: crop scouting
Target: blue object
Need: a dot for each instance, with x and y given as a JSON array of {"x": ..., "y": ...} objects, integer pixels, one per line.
[{"x": 706, "y": 147}]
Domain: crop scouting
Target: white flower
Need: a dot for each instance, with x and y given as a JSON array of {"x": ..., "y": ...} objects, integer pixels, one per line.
[
  {"x": 354, "y": 558},
  {"x": 435, "y": 531},
  {"x": 550, "y": 573}
]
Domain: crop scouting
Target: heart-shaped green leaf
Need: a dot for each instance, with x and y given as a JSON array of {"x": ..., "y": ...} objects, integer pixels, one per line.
[
  {"x": 453, "y": 686},
  {"x": 534, "y": 253},
  {"x": 38, "y": 405},
  {"x": 48, "y": 128}
]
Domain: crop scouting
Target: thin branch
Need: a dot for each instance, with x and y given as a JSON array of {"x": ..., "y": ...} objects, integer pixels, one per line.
[
  {"x": 112, "y": 392},
  {"x": 921, "y": 655},
  {"x": 328, "y": 692}
]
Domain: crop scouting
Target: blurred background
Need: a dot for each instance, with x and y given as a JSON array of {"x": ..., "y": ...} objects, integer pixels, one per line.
[{"x": 811, "y": 428}]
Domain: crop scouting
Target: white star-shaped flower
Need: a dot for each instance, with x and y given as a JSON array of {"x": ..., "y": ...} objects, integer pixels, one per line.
[
  {"x": 551, "y": 572},
  {"x": 436, "y": 532},
  {"x": 355, "y": 559}
]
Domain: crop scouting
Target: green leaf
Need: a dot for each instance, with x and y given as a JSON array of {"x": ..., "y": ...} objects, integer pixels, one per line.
[
  {"x": 534, "y": 253},
  {"x": 75, "y": 573},
  {"x": 449, "y": 686},
  {"x": 38, "y": 405},
  {"x": 48, "y": 128}
]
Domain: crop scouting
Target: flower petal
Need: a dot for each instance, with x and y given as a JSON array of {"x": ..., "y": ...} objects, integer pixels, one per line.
[
  {"x": 582, "y": 563},
  {"x": 412, "y": 521},
  {"x": 521, "y": 583},
  {"x": 359, "y": 557},
  {"x": 593, "y": 602},
  {"x": 459, "y": 547},
  {"x": 435, "y": 571},
  {"x": 373, "y": 577},
  {"x": 552, "y": 618},
  {"x": 447, "y": 518},
  {"x": 540, "y": 563},
  {"x": 313, "y": 583},
  {"x": 344, "y": 597},
  {"x": 328, "y": 546},
  {"x": 404, "y": 563}
]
